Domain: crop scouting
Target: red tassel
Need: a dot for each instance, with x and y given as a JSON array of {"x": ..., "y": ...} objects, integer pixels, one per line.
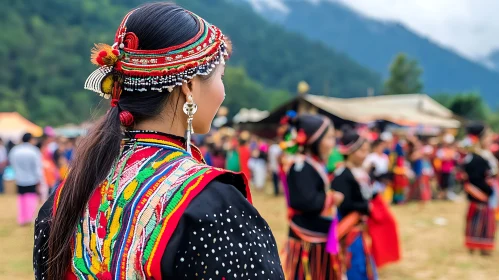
[
  {"x": 116, "y": 52},
  {"x": 126, "y": 118}
]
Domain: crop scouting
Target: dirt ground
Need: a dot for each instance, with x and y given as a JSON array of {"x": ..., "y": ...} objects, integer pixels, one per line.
[{"x": 430, "y": 251}]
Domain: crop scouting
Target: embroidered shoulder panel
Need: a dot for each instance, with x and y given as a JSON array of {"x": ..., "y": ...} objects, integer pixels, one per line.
[{"x": 130, "y": 217}]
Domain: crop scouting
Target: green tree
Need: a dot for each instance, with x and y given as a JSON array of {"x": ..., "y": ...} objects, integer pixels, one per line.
[
  {"x": 405, "y": 76},
  {"x": 468, "y": 105},
  {"x": 45, "y": 48},
  {"x": 243, "y": 92}
]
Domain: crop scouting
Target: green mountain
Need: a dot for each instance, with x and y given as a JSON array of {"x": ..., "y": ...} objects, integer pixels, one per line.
[
  {"x": 45, "y": 48},
  {"x": 375, "y": 43}
]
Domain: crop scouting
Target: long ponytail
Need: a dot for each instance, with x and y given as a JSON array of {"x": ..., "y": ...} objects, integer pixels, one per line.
[{"x": 94, "y": 158}]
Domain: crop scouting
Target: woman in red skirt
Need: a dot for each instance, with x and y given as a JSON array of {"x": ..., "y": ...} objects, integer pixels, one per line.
[{"x": 480, "y": 222}]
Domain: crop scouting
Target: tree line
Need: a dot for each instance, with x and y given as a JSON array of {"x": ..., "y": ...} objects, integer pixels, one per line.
[{"x": 45, "y": 48}]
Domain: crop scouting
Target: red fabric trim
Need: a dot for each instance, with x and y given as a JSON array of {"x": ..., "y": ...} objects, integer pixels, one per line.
[
  {"x": 482, "y": 246},
  {"x": 382, "y": 228},
  {"x": 175, "y": 218},
  {"x": 57, "y": 196}
]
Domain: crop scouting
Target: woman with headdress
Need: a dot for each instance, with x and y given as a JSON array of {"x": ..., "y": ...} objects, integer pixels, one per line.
[
  {"x": 480, "y": 222},
  {"x": 353, "y": 182},
  {"x": 145, "y": 205},
  {"x": 309, "y": 252}
]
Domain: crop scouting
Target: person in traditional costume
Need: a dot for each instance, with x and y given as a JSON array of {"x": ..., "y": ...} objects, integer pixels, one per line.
[
  {"x": 381, "y": 224},
  {"x": 377, "y": 165},
  {"x": 139, "y": 202},
  {"x": 353, "y": 182},
  {"x": 480, "y": 220},
  {"x": 312, "y": 248}
]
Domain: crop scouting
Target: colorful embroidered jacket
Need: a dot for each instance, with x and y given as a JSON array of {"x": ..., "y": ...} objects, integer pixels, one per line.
[{"x": 141, "y": 222}]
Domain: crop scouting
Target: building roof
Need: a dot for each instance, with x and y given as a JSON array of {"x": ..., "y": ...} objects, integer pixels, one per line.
[
  {"x": 13, "y": 126},
  {"x": 407, "y": 110}
]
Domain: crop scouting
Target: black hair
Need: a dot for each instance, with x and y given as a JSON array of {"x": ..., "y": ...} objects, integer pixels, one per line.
[
  {"x": 376, "y": 143},
  {"x": 350, "y": 137},
  {"x": 157, "y": 26},
  {"x": 476, "y": 129},
  {"x": 310, "y": 125},
  {"x": 27, "y": 137}
]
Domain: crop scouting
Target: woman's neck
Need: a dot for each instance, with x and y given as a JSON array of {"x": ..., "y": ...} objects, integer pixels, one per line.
[
  {"x": 350, "y": 164},
  {"x": 165, "y": 125},
  {"x": 317, "y": 158}
]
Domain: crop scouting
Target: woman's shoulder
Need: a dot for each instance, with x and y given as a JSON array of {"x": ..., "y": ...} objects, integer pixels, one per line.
[
  {"x": 221, "y": 217},
  {"x": 301, "y": 166},
  {"x": 224, "y": 192},
  {"x": 343, "y": 173}
]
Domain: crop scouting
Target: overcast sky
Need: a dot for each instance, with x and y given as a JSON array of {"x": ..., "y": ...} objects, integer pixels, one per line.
[{"x": 470, "y": 27}]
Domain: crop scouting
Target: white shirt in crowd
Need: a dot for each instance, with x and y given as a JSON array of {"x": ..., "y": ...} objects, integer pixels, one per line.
[
  {"x": 274, "y": 153},
  {"x": 379, "y": 162},
  {"x": 26, "y": 161}
]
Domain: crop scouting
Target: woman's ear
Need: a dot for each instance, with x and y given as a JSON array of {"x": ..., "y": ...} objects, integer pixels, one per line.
[
  {"x": 186, "y": 88},
  {"x": 192, "y": 88}
]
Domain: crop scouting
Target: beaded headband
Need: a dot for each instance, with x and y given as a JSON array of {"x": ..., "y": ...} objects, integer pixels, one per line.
[
  {"x": 123, "y": 66},
  {"x": 348, "y": 149}
]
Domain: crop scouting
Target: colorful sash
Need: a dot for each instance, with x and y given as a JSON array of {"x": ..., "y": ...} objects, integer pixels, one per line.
[{"x": 475, "y": 192}]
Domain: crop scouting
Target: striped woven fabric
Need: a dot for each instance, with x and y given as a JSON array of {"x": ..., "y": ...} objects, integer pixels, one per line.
[
  {"x": 131, "y": 216},
  {"x": 480, "y": 227}
]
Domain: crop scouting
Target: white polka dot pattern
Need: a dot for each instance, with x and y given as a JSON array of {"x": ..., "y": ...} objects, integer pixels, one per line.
[
  {"x": 232, "y": 244},
  {"x": 40, "y": 250}
]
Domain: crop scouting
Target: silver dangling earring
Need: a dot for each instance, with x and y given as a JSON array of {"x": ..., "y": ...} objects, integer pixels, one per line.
[{"x": 190, "y": 108}]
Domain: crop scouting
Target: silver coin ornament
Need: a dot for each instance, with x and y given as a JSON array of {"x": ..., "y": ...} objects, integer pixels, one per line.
[{"x": 190, "y": 108}]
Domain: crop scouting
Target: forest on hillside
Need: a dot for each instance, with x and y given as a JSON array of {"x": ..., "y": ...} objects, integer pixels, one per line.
[
  {"x": 375, "y": 43},
  {"x": 45, "y": 48}
]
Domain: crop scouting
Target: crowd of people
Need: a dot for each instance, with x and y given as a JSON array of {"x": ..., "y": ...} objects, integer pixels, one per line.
[
  {"x": 348, "y": 188},
  {"x": 338, "y": 187},
  {"x": 37, "y": 166}
]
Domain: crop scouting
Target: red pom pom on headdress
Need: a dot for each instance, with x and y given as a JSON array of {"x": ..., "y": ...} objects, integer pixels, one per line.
[
  {"x": 103, "y": 54},
  {"x": 301, "y": 137}
]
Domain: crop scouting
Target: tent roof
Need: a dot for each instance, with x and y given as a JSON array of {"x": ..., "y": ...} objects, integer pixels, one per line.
[
  {"x": 14, "y": 122},
  {"x": 409, "y": 109}
]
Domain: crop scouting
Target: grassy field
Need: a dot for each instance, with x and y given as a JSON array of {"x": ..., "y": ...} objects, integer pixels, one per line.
[{"x": 429, "y": 251}]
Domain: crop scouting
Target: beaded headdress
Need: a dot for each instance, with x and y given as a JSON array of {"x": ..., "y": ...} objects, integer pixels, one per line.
[
  {"x": 123, "y": 66},
  {"x": 294, "y": 140}
]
